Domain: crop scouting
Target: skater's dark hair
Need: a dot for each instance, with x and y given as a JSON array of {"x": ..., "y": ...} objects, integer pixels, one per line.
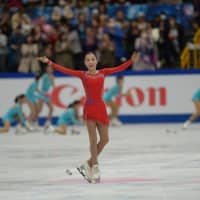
[
  {"x": 74, "y": 103},
  {"x": 90, "y": 52},
  {"x": 119, "y": 78},
  {"x": 38, "y": 76},
  {"x": 18, "y": 97}
]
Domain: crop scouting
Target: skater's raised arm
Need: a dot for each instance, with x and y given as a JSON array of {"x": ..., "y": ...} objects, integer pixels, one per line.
[
  {"x": 60, "y": 68},
  {"x": 123, "y": 66}
]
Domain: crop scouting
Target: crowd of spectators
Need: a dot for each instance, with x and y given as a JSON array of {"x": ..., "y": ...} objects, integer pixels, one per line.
[{"x": 22, "y": 38}]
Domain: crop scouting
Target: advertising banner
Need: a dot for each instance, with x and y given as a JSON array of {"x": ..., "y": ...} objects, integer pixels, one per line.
[{"x": 148, "y": 94}]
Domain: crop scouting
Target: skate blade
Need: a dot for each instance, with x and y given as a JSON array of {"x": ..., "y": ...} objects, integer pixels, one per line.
[
  {"x": 98, "y": 180},
  {"x": 84, "y": 176}
]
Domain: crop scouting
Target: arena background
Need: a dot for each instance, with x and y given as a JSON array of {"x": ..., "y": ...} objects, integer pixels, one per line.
[{"x": 161, "y": 93}]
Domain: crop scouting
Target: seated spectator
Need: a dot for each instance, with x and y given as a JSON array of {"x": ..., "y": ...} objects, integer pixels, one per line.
[
  {"x": 175, "y": 41},
  {"x": 14, "y": 4},
  {"x": 68, "y": 12},
  {"x": 3, "y": 50},
  {"x": 106, "y": 51},
  {"x": 144, "y": 45},
  {"x": 56, "y": 14},
  {"x": 52, "y": 35},
  {"x": 39, "y": 37},
  {"x": 29, "y": 52},
  {"x": 22, "y": 19},
  {"x": 118, "y": 36},
  {"x": 14, "y": 45},
  {"x": 5, "y": 20},
  {"x": 81, "y": 26},
  {"x": 142, "y": 23},
  {"x": 75, "y": 45},
  {"x": 90, "y": 41},
  {"x": 121, "y": 20},
  {"x": 44, "y": 26},
  {"x": 63, "y": 53},
  {"x": 132, "y": 34},
  {"x": 81, "y": 8}
]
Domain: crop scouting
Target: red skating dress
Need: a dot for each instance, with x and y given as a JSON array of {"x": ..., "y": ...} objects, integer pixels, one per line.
[{"x": 94, "y": 108}]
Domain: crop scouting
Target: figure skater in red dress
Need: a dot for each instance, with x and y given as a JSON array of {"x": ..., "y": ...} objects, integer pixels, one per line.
[{"x": 94, "y": 113}]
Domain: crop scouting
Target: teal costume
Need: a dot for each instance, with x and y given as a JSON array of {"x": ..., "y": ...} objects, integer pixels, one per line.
[
  {"x": 68, "y": 118},
  {"x": 13, "y": 113},
  {"x": 196, "y": 96},
  {"x": 31, "y": 93},
  {"x": 46, "y": 84},
  {"x": 111, "y": 93}
]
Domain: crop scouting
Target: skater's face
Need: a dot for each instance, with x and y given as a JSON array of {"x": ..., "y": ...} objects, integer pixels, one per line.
[
  {"x": 90, "y": 61},
  {"x": 23, "y": 100},
  {"x": 76, "y": 107},
  {"x": 120, "y": 82}
]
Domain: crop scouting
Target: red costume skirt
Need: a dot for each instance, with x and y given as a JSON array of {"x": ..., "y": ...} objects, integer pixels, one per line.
[{"x": 96, "y": 112}]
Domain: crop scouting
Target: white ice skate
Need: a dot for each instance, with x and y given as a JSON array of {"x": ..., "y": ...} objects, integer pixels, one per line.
[
  {"x": 75, "y": 130},
  {"x": 86, "y": 171},
  {"x": 47, "y": 124},
  {"x": 96, "y": 175},
  {"x": 50, "y": 129},
  {"x": 20, "y": 129},
  {"x": 29, "y": 127},
  {"x": 186, "y": 124},
  {"x": 115, "y": 122},
  {"x": 36, "y": 126}
]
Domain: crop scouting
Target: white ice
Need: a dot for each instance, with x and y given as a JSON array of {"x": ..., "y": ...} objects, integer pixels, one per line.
[{"x": 141, "y": 162}]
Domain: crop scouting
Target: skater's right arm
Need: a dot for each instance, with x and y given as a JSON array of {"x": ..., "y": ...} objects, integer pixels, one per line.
[{"x": 60, "y": 68}]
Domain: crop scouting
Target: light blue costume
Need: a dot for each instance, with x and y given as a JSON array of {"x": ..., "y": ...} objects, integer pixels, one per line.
[
  {"x": 31, "y": 93},
  {"x": 68, "y": 118},
  {"x": 14, "y": 112},
  {"x": 111, "y": 93},
  {"x": 196, "y": 96},
  {"x": 46, "y": 84}
]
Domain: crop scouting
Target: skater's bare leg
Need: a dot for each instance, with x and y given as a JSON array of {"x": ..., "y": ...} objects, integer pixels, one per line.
[
  {"x": 114, "y": 109},
  {"x": 104, "y": 139},
  {"x": 33, "y": 112},
  {"x": 194, "y": 115},
  {"x": 40, "y": 104},
  {"x": 50, "y": 107},
  {"x": 197, "y": 111},
  {"x": 91, "y": 127}
]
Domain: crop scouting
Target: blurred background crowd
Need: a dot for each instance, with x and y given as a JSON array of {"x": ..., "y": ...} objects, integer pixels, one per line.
[{"x": 64, "y": 30}]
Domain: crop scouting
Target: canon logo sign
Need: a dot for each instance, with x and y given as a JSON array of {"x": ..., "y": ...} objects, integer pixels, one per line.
[
  {"x": 136, "y": 97},
  {"x": 151, "y": 96}
]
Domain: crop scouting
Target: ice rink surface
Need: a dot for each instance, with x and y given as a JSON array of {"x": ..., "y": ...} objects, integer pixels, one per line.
[{"x": 141, "y": 162}]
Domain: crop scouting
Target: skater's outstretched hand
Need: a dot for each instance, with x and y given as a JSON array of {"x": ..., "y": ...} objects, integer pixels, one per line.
[
  {"x": 135, "y": 57},
  {"x": 43, "y": 59}
]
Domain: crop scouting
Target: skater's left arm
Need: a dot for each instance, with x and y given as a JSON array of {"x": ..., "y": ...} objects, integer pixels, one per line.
[{"x": 123, "y": 66}]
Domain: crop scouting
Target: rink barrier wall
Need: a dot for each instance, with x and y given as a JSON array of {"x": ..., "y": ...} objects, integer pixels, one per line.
[
  {"x": 183, "y": 84},
  {"x": 127, "y": 73}
]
